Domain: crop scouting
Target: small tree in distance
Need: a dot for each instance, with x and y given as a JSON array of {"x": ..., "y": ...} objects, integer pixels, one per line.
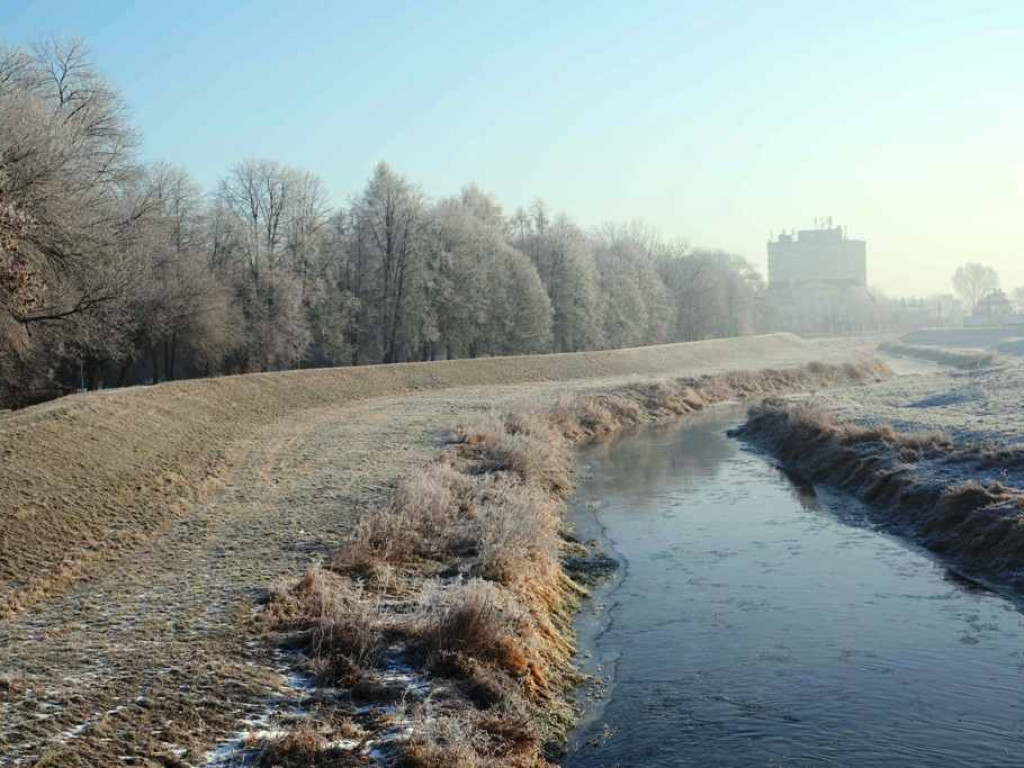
[
  {"x": 973, "y": 282},
  {"x": 1018, "y": 297}
]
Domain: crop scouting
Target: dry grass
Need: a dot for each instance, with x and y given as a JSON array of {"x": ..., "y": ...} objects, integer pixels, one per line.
[
  {"x": 307, "y": 746},
  {"x": 338, "y": 625},
  {"x": 968, "y": 359},
  {"x": 804, "y": 425},
  {"x": 475, "y": 619},
  {"x": 87, "y": 479},
  {"x": 461, "y": 573}
]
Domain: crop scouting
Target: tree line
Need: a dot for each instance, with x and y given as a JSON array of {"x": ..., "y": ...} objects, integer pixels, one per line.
[{"x": 116, "y": 272}]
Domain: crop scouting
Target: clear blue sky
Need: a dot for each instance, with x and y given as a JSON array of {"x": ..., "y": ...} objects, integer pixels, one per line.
[{"x": 717, "y": 121}]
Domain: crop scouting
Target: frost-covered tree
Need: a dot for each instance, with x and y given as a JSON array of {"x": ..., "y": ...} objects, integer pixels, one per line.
[
  {"x": 563, "y": 257},
  {"x": 635, "y": 304},
  {"x": 112, "y": 272},
  {"x": 391, "y": 222},
  {"x": 275, "y": 215}
]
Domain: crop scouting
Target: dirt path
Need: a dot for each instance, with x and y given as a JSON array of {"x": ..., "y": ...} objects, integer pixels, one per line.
[{"x": 160, "y": 658}]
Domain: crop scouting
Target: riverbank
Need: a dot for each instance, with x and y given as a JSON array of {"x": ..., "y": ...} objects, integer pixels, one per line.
[
  {"x": 968, "y": 359},
  {"x": 153, "y": 651},
  {"x": 939, "y": 457},
  {"x": 455, "y": 598}
]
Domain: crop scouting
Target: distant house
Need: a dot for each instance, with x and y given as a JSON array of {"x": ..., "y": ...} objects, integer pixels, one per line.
[{"x": 995, "y": 309}]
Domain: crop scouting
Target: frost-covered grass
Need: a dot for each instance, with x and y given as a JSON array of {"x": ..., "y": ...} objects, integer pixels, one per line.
[{"x": 968, "y": 359}]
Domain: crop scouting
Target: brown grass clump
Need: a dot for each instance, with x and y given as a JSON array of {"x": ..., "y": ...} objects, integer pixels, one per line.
[
  {"x": 423, "y": 521},
  {"x": 1009, "y": 457},
  {"x": 307, "y": 746},
  {"x": 486, "y": 742},
  {"x": 472, "y": 619},
  {"x": 519, "y": 528},
  {"x": 461, "y": 574},
  {"x": 526, "y": 445},
  {"x": 335, "y": 622}
]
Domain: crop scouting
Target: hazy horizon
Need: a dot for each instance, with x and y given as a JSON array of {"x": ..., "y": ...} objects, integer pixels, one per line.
[{"x": 718, "y": 124}]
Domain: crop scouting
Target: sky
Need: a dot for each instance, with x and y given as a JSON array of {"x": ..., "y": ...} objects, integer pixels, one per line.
[{"x": 718, "y": 122}]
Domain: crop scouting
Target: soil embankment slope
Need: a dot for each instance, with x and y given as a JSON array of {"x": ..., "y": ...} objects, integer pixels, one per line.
[{"x": 87, "y": 478}]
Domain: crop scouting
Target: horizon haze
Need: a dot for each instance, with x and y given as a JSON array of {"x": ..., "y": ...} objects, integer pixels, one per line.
[{"x": 721, "y": 124}]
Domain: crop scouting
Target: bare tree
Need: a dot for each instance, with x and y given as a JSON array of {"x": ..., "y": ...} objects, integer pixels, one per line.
[
  {"x": 278, "y": 214},
  {"x": 68, "y": 155},
  {"x": 70, "y": 175},
  {"x": 973, "y": 282},
  {"x": 391, "y": 213}
]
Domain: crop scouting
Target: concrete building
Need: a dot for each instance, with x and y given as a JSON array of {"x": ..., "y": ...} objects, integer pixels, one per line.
[
  {"x": 817, "y": 282},
  {"x": 813, "y": 256}
]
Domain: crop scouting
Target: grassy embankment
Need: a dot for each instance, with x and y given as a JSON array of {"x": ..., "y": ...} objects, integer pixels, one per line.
[
  {"x": 967, "y": 359},
  {"x": 452, "y": 604},
  {"x": 913, "y": 480},
  {"x": 86, "y": 479}
]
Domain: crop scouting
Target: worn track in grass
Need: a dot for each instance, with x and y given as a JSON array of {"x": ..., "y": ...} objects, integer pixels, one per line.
[{"x": 156, "y": 657}]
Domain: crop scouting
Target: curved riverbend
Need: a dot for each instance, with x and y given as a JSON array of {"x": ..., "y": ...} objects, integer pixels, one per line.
[{"x": 759, "y": 623}]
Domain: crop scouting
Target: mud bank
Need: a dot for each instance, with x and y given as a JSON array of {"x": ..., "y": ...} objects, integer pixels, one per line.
[
  {"x": 952, "y": 499},
  {"x": 444, "y": 620}
]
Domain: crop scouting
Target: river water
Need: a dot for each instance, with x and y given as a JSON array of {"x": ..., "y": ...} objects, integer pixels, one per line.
[{"x": 758, "y": 622}]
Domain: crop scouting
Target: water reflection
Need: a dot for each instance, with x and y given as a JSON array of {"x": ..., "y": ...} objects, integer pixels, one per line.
[{"x": 680, "y": 452}]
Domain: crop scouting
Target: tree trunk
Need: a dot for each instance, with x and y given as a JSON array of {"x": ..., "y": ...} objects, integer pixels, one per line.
[
  {"x": 92, "y": 374},
  {"x": 122, "y": 374},
  {"x": 169, "y": 350}
]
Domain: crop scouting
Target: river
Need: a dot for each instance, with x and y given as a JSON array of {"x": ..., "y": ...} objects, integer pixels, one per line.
[{"x": 759, "y": 622}]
